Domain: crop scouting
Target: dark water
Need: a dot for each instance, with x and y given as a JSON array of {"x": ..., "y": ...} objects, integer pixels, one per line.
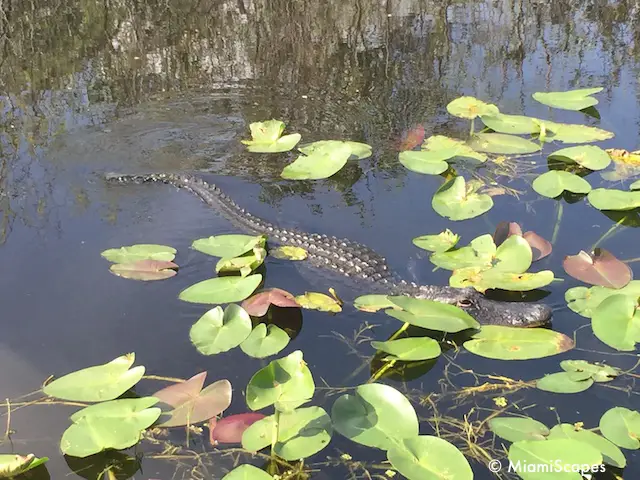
[{"x": 125, "y": 85}]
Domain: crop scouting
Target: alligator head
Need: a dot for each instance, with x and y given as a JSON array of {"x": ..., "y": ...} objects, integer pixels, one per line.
[{"x": 487, "y": 311}]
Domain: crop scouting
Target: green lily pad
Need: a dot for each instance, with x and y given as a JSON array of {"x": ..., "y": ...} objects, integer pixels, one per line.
[
  {"x": 597, "y": 371},
  {"x": 431, "y": 314},
  {"x": 514, "y": 429},
  {"x": 321, "y": 163},
  {"x": 288, "y": 252},
  {"x": 264, "y": 341},
  {"x": 135, "y": 253},
  {"x": 612, "y": 199},
  {"x": 483, "y": 280},
  {"x": 285, "y": 383},
  {"x": 514, "y": 255},
  {"x": 244, "y": 264},
  {"x": 221, "y": 289},
  {"x": 610, "y": 453},
  {"x": 454, "y": 201},
  {"x": 569, "y": 100},
  {"x": 450, "y": 148},
  {"x": 513, "y": 343},
  {"x": 471, "y": 107},
  {"x": 318, "y": 301},
  {"x": 616, "y": 322},
  {"x": 229, "y": 246},
  {"x": 301, "y": 433},
  {"x": 410, "y": 349},
  {"x": 479, "y": 253},
  {"x": 247, "y": 472},
  {"x": 12, "y": 465},
  {"x": 570, "y": 133},
  {"x": 584, "y": 301},
  {"x": 426, "y": 457},
  {"x": 635, "y": 185},
  {"x": 564, "y": 382},
  {"x": 218, "y": 331},
  {"x": 425, "y": 162},
  {"x": 502, "y": 143},
  {"x": 145, "y": 270},
  {"x": 511, "y": 124},
  {"x": 437, "y": 243},
  {"x": 554, "y": 459},
  {"x": 375, "y": 415},
  {"x": 191, "y": 403},
  {"x": 588, "y": 156},
  {"x": 359, "y": 150},
  {"x": 117, "y": 424},
  {"x": 553, "y": 183},
  {"x": 98, "y": 383},
  {"x": 373, "y": 303},
  {"x": 622, "y": 427},
  {"x": 266, "y": 137}
]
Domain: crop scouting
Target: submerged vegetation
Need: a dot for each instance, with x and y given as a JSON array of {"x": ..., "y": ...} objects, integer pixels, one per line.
[{"x": 374, "y": 414}]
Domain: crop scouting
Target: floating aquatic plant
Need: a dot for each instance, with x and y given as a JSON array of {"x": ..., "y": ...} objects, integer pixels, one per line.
[{"x": 266, "y": 137}]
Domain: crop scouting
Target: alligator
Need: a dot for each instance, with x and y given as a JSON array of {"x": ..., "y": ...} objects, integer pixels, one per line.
[{"x": 349, "y": 258}]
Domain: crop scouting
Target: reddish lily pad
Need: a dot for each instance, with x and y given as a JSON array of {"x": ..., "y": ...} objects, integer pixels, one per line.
[
  {"x": 258, "y": 304},
  {"x": 191, "y": 404},
  {"x": 504, "y": 230},
  {"x": 230, "y": 429},
  {"x": 411, "y": 139},
  {"x": 598, "y": 268},
  {"x": 145, "y": 270}
]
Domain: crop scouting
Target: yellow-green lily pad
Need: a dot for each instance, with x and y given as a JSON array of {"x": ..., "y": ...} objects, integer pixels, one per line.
[
  {"x": 266, "y": 137},
  {"x": 513, "y": 343}
]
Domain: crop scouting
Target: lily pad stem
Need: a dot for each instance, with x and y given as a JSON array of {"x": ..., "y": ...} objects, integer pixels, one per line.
[
  {"x": 472, "y": 129},
  {"x": 556, "y": 227},
  {"x": 275, "y": 431},
  {"x": 609, "y": 232},
  {"x": 390, "y": 364}
]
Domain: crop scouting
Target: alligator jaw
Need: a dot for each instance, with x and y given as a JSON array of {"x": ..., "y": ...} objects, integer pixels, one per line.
[{"x": 508, "y": 314}]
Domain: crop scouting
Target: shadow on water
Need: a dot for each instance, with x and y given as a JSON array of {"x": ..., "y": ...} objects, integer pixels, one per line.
[{"x": 121, "y": 85}]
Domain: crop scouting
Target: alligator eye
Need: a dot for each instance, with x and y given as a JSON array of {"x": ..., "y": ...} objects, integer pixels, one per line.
[{"x": 464, "y": 303}]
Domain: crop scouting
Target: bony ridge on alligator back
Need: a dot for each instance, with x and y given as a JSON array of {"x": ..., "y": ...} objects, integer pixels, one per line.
[{"x": 349, "y": 258}]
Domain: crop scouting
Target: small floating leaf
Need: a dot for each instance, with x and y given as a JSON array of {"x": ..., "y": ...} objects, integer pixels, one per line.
[
  {"x": 599, "y": 372},
  {"x": 300, "y": 433},
  {"x": 616, "y": 322},
  {"x": 134, "y": 253},
  {"x": 425, "y": 162},
  {"x": 191, "y": 403},
  {"x": 117, "y": 424},
  {"x": 229, "y": 246},
  {"x": 264, "y": 341},
  {"x": 598, "y": 268},
  {"x": 285, "y": 383},
  {"x": 410, "y": 349},
  {"x": 266, "y": 137},
  {"x": 611, "y": 199},
  {"x": 247, "y": 472},
  {"x": 483, "y": 280},
  {"x": 288, "y": 252},
  {"x": 431, "y": 314},
  {"x": 570, "y": 133},
  {"x": 244, "y": 264},
  {"x": 411, "y": 139},
  {"x": 502, "y": 143},
  {"x": 588, "y": 156},
  {"x": 479, "y": 253},
  {"x": 12, "y": 465},
  {"x": 539, "y": 246},
  {"x": 358, "y": 150},
  {"x": 230, "y": 429},
  {"x": 570, "y": 99},
  {"x": 514, "y": 255},
  {"x": 512, "y": 124},
  {"x": 217, "y": 331},
  {"x": 513, "y": 343},
  {"x": 564, "y": 382},
  {"x": 373, "y": 303},
  {"x": 426, "y": 457},
  {"x": 321, "y": 163},
  {"x": 610, "y": 453},
  {"x": 449, "y": 148},
  {"x": 221, "y": 289},
  {"x": 584, "y": 301},
  {"x": 99, "y": 383},
  {"x": 146, "y": 270},
  {"x": 375, "y": 415},
  {"x": 622, "y": 427},
  {"x": 258, "y": 304},
  {"x": 553, "y": 183},
  {"x": 514, "y": 429},
  {"x": 557, "y": 458},
  {"x": 437, "y": 243},
  {"x": 471, "y": 107},
  {"x": 454, "y": 201},
  {"x": 318, "y": 301},
  {"x": 635, "y": 185}
]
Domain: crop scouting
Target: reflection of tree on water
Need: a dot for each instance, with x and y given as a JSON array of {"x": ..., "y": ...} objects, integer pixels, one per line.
[{"x": 354, "y": 70}]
